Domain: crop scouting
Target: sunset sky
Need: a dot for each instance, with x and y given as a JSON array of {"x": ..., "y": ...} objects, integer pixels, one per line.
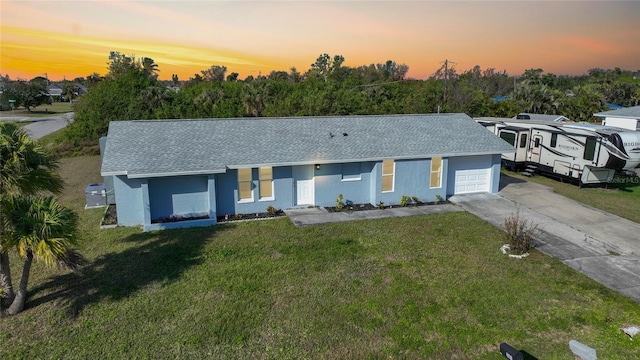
[{"x": 68, "y": 39}]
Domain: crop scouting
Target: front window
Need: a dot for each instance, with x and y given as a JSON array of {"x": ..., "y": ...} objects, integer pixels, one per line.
[
  {"x": 388, "y": 173},
  {"x": 436, "y": 173},
  {"x": 554, "y": 140},
  {"x": 245, "y": 191},
  {"x": 266, "y": 182},
  {"x": 351, "y": 172}
]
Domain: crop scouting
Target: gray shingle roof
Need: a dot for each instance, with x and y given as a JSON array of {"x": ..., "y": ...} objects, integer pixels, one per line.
[
  {"x": 148, "y": 148},
  {"x": 630, "y": 112}
]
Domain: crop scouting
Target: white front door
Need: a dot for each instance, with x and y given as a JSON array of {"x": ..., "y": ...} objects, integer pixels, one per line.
[{"x": 304, "y": 184}]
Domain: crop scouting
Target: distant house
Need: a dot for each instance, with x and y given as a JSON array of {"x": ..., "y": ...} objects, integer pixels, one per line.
[
  {"x": 55, "y": 92},
  {"x": 215, "y": 167},
  {"x": 626, "y": 118}
]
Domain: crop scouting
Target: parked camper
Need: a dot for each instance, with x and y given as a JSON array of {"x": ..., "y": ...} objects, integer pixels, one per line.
[{"x": 580, "y": 151}]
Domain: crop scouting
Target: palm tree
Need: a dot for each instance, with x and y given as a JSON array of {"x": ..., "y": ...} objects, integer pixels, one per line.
[
  {"x": 150, "y": 67},
  {"x": 253, "y": 95},
  {"x": 42, "y": 229},
  {"x": 25, "y": 168}
]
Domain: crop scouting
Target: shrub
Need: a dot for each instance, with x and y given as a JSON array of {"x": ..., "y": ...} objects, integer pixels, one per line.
[
  {"x": 271, "y": 210},
  {"x": 339, "y": 202},
  {"x": 381, "y": 205},
  {"x": 405, "y": 200},
  {"x": 416, "y": 200},
  {"x": 438, "y": 198},
  {"x": 521, "y": 232}
]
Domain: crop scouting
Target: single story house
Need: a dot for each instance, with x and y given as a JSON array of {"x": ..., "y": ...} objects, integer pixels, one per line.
[
  {"x": 625, "y": 118},
  {"x": 206, "y": 168}
]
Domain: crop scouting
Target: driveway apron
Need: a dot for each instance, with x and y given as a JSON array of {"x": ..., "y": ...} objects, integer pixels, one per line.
[{"x": 603, "y": 246}]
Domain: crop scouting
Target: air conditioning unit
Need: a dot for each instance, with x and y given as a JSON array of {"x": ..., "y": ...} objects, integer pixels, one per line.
[{"x": 96, "y": 196}]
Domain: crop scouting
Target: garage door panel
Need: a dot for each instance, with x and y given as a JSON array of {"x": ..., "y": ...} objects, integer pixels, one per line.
[{"x": 471, "y": 180}]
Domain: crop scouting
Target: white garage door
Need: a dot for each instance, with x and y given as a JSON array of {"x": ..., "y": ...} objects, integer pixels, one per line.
[{"x": 471, "y": 181}]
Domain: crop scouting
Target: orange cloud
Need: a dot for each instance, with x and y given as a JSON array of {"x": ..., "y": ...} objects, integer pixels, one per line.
[
  {"x": 31, "y": 53},
  {"x": 581, "y": 43}
]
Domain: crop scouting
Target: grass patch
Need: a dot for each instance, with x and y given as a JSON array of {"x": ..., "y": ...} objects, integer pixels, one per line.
[
  {"x": 621, "y": 199},
  {"x": 433, "y": 286},
  {"x": 44, "y": 110}
]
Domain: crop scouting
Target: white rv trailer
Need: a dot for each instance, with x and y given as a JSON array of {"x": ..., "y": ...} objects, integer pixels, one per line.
[{"x": 587, "y": 153}]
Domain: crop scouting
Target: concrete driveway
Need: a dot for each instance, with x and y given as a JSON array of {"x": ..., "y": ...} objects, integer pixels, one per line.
[{"x": 602, "y": 246}]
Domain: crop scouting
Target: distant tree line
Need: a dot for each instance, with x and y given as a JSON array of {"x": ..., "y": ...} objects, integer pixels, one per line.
[{"x": 131, "y": 90}]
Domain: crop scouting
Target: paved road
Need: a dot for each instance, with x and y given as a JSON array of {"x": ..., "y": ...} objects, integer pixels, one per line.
[
  {"x": 602, "y": 246},
  {"x": 43, "y": 126}
]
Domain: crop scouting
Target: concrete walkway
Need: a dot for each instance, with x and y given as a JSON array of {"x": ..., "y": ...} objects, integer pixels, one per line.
[
  {"x": 315, "y": 216},
  {"x": 602, "y": 246}
]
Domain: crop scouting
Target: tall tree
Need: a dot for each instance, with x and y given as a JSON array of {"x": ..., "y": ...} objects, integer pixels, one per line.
[
  {"x": 39, "y": 228},
  {"x": 26, "y": 168},
  {"x": 28, "y": 93},
  {"x": 214, "y": 73},
  {"x": 325, "y": 65}
]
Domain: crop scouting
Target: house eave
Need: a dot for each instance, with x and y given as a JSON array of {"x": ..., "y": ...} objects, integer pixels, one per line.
[
  {"x": 341, "y": 161},
  {"x": 176, "y": 173}
]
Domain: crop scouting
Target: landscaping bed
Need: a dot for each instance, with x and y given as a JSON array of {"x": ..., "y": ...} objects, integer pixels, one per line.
[
  {"x": 365, "y": 207},
  {"x": 250, "y": 216}
]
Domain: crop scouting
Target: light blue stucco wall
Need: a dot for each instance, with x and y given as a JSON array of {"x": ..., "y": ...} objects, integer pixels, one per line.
[
  {"x": 411, "y": 179},
  {"x": 141, "y": 200},
  {"x": 129, "y": 200},
  {"x": 178, "y": 195},
  {"x": 495, "y": 173},
  {"x": 329, "y": 184},
  {"x": 227, "y": 192}
]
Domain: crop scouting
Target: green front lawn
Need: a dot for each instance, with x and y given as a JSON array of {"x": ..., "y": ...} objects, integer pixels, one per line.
[{"x": 432, "y": 286}]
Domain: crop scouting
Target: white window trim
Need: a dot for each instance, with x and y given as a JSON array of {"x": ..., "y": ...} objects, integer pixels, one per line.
[
  {"x": 273, "y": 189},
  {"x": 247, "y": 200},
  {"x": 273, "y": 193},
  {"x": 393, "y": 181},
  {"x": 439, "y": 171}
]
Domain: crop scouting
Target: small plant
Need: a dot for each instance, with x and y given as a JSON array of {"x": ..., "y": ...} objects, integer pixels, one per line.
[
  {"x": 521, "y": 232},
  {"x": 381, "y": 205},
  {"x": 339, "y": 202},
  {"x": 271, "y": 210},
  {"x": 439, "y": 198},
  {"x": 239, "y": 216},
  {"x": 416, "y": 200},
  {"x": 405, "y": 200}
]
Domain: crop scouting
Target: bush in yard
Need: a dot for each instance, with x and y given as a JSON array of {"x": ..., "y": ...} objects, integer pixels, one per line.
[
  {"x": 521, "y": 232},
  {"x": 271, "y": 210},
  {"x": 405, "y": 200},
  {"x": 339, "y": 202}
]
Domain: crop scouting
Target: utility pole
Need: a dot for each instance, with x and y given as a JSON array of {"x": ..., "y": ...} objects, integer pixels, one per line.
[
  {"x": 446, "y": 75},
  {"x": 446, "y": 70}
]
